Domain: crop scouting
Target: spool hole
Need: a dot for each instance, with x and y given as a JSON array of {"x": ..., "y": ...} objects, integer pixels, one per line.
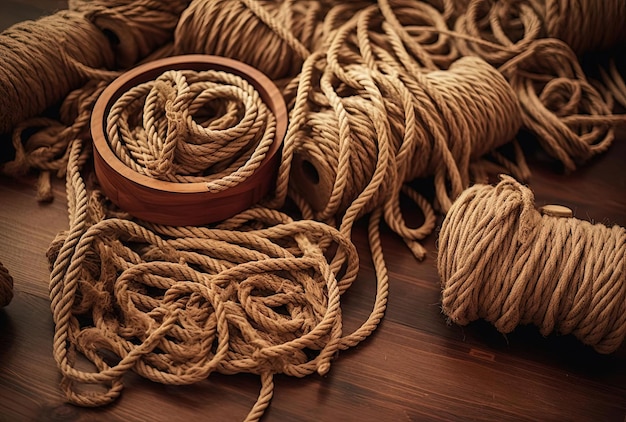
[
  {"x": 310, "y": 172},
  {"x": 111, "y": 36}
]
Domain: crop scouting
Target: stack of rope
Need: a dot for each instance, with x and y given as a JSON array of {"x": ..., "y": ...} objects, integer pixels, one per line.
[{"x": 380, "y": 92}]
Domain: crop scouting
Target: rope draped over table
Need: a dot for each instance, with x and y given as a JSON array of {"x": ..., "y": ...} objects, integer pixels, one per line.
[{"x": 372, "y": 108}]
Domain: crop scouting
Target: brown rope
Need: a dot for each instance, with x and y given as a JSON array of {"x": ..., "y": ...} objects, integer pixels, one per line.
[
  {"x": 38, "y": 63},
  {"x": 502, "y": 261},
  {"x": 134, "y": 29},
  {"x": 586, "y": 25},
  {"x": 6, "y": 286},
  {"x": 166, "y": 130},
  {"x": 379, "y": 96},
  {"x": 370, "y": 121}
]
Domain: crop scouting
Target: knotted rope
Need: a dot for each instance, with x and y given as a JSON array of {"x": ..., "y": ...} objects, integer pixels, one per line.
[
  {"x": 6, "y": 286},
  {"x": 502, "y": 261}
]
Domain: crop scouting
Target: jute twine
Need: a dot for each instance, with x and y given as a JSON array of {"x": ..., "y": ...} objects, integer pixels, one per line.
[
  {"x": 6, "y": 286},
  {"x": 502, "y": 261},
  {"x": 373, "y": 93}
]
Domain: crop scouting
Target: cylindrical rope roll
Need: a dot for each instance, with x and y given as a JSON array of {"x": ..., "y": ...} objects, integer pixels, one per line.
[
  {"x": 459, "y": 115},
  {"x": 134, "y": 28},
  {"x": 6, "y": 286},
  {"x": 36, "y": 63},
  {"x": 189, "y": 139},
  {"x": 586, "y": 25},
  {"x": 271, "y": 45},
  {"x": 503, "y": 261}
]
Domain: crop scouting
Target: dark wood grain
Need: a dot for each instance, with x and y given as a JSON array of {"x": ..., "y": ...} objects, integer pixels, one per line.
[{"x": 414, "y": 367}]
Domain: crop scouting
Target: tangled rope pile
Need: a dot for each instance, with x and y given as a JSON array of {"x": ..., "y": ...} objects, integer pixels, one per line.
[
  {"x": 502, "y": 261},
  {"x": 380, "y": 93},
  {"x": 257, "y": 294}
]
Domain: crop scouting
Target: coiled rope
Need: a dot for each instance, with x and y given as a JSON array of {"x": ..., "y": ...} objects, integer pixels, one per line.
[
  {"x": 502, "y": 261},
  {"x": 165, "y": 130}
]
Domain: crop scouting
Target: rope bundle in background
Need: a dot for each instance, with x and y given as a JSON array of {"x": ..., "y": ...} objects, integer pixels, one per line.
[
  {"x": 6, "y": 286},
  {"x": 586, "y": 25},
  {"x": 502, "y": 261},
  {"x": 134, "y": 29},
  {"x": 38, "y": 63}
]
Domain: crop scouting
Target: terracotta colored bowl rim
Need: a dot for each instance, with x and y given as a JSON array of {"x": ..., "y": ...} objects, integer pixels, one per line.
[{"x": 116, "y": 177}]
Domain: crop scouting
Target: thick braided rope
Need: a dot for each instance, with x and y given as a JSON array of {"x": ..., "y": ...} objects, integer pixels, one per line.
[
  {"x": 188, "y": 126},
  {"x": 502, "y": 261}
]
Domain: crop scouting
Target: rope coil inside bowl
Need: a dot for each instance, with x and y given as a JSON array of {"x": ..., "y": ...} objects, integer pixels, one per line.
[{"x": 186, "y": 135}]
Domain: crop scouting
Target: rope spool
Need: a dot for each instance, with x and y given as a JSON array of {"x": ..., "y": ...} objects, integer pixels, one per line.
[
  {"x": 134, "y": 29},
  {"x": 39, "y": 63},
  {"x": 188, "y": 140},
  {"x": 503, "y": 261},
  {"x": 216, "y": 28},
  {"x": 420, "y": 121},
  {"x": 6, "y": 286}
]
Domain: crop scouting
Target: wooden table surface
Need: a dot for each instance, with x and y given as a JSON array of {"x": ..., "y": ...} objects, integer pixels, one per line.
[{"x": 414, "y": 367}]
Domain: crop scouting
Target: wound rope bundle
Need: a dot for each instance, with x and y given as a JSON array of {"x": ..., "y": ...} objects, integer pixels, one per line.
[{"x": 502, "y": 261}]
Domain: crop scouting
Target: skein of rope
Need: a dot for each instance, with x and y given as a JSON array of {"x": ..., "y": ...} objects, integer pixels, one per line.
[
  {"x": 40, "y": 63},
  {"x": 503, "y": 261},
  {"x": 188, "y": 140},
  {"x": 134, "y": 29},
  {"x": 287, "y": 31},
  {"x": 6, "y": 286}
]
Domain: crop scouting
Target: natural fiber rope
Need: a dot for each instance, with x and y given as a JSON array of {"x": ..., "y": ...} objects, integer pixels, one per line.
[
  {"x": 586, "y": 25},
  {"x": 372, "y": 121},
  {"x": 165, "y": 128},
  {"x": 259, "y": 294},
  {"x": 219, "y": 26},
  {"x": 6, "y": 286},
  {"x": 134, "y": 28},
  {"x": 38, "y": 60},
  {"x": 352, "y": 59},
  {"x": 502, "y": 261}
]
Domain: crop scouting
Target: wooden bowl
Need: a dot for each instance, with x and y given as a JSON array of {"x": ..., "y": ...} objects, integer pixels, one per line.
[{"x": 173, "y": 203}]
